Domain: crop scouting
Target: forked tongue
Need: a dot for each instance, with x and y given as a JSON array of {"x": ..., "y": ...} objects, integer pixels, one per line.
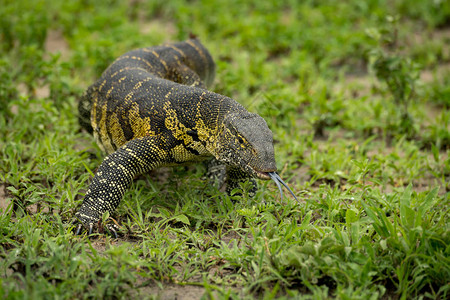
[{"x": 275, "y": 177}]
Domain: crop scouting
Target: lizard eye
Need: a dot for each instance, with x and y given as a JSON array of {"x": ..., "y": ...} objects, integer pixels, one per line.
[{"x": 240, "y": 140}]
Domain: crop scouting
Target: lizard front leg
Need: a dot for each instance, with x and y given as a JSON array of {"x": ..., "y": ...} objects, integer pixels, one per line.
[
  {"x": 216, "y": 173},
  {"x": 115, "y": 175},
  {"x": 235, "y": 176},
  {"x": 221, "y": 175}
]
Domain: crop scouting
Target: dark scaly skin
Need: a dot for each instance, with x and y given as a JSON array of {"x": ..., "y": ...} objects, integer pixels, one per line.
[{"x": 150, "y": 109}]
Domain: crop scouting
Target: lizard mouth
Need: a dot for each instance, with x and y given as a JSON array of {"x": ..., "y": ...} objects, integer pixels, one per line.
[{"x": 262, "y": 175}]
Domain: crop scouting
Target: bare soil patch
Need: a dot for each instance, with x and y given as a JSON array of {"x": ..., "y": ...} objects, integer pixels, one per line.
[
  {"x": 156, "y": 25},
  {"x": 56, "y": 42},
  {"x": 5, "y": 201},
  {"x": 170, "y": 291}
]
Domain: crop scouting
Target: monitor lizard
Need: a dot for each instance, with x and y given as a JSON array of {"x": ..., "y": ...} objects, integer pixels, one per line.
[{"x": 151, "y": 108}]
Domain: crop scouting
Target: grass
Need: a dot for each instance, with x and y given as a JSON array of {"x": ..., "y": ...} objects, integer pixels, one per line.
[{"x": 356, "y": 94}]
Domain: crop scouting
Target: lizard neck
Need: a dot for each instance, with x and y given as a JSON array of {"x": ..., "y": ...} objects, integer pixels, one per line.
[{"x": 210, "y": 121}]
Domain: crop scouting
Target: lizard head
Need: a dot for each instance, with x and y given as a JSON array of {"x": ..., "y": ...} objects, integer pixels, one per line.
[{"x": 246, "y": 141}]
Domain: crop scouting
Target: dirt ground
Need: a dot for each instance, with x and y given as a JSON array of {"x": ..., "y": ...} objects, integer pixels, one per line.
[
  {"x": 174, "y": 291},
  {"x": 5, "y": 200}
]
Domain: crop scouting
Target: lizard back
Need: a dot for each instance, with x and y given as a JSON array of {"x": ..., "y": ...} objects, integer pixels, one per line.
[{"x": 154, "y": 91}]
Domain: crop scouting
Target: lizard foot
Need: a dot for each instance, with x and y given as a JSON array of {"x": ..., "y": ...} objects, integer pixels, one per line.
[{"x": 110, "y": 228}]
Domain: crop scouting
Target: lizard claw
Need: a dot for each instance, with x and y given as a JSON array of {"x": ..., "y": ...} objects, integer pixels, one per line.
[
  {"x": 91, "y": 228},
  {"x": 79, "y": 227},
  {"x": 113, "y": 229}
]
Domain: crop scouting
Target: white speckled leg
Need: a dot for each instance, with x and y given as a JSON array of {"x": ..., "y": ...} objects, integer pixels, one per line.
[{"x": 115, "y": 175}]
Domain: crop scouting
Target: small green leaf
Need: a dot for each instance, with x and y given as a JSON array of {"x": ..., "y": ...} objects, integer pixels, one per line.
[
  {"x": 383, "y": 244},
  {"x": 350, "y": 217},
  {"x": 164, "y": 212},
  {"x": 306, "y": 220},
  {"x": 354, "y": 233},
  {"x": 105, "y": 216},
  {"x": 183, "y": 219},
  {"x": 430, "y": 200},
  {"x": 406, "y": 213},
  {"x": 406, "y": 196},
  {"x": 13, "y": 190},
  {"x": 88, "y": 169}
]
